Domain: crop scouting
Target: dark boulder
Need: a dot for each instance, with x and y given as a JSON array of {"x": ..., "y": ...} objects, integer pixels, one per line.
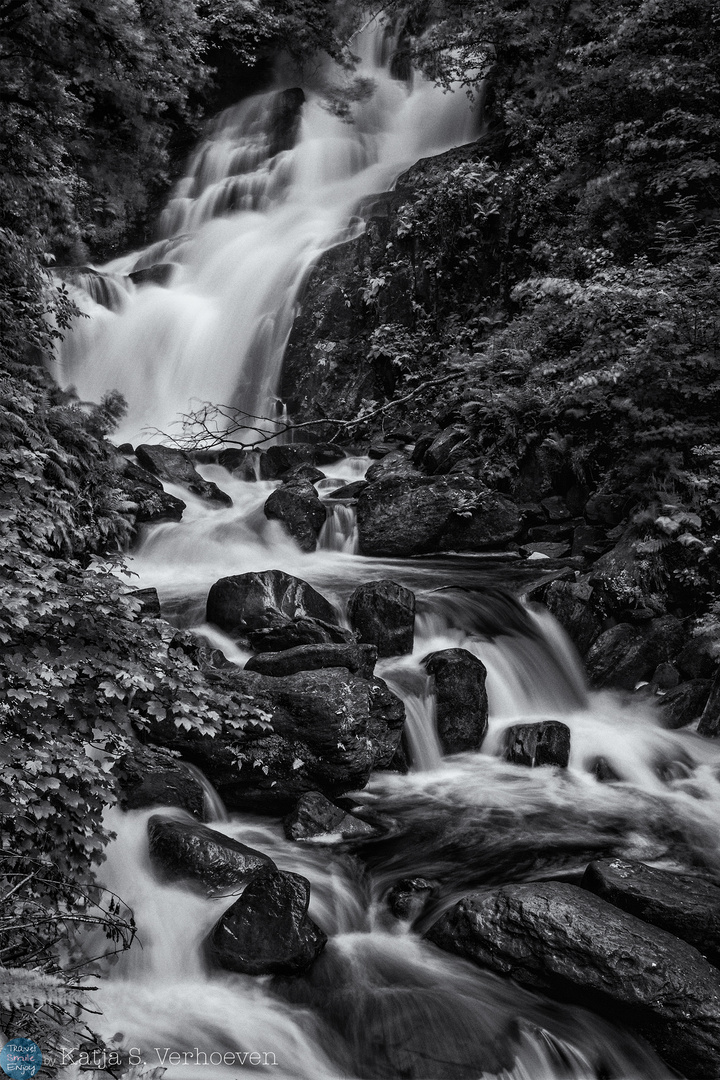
[
  {"x": 359, "y": 659},
  {"x": 546, "y": 743},
  {"x": 297, "y": 505},
  {"x": 686, "y": 906},
  {"x": 629, "y": 653},
  {"x": 303, "y": 471},
  {"x": 446, "y": 449},
  {"x": 385, "y": 724},
  {"x": 285, "y": 117},
  {"x": 564, "y": 940},
  {"x": 684, "y": 703},
  {"x": 409, "y": 897},
  {"x": 175, "y": 467},
  {"x": 276, "y": 461},
  {"x": 181, "y": 851},
  {"x": 395, "y": 465},
  {"x": 571, "y": 604},
  {"x": 349, "y": 492},
  {"x": 417, "y": 515},
  {"x": 159, "y": 274},
  {"x": 240, "y": 463},
  {"x": 315, "y": 816},
  {"x": 315, "y": 731},
  {"x": 710, "y": 720},
  {"x": 273, "y": 610},
  {"x": 268, "y": 930},
  {"x": 382, "y": 614},
  {"x": 545, "y": 548},
  {"x": 152, "y": 504},
  {"x": 152, "y": 776},
  {"x": 461, "y": 697},
  {"x": 603, "y": 771},
  {"x": 590, "y": 541}
]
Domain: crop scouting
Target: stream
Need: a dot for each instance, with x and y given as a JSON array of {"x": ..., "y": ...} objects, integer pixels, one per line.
[{"x": 240, "y": 234}]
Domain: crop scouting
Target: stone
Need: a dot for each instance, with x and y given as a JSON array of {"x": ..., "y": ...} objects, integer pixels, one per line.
[
  {"x": 546, "y": 548},
  {"x": 274, "y": 610},
  {"x": 304, "y": 471},
  {"x": 240, "y": 463},
  {"x": 349, "y": 491},
  {"x": 461, "y": 699},
  {"x": 565, "y": 941},
  {"x": 556, "y": 508},
  {"x": 589, "y": 540},
  {"x": 299, "y": 508},
  {"x": 709, "y": 725},
  {"x": 382, "y": 613},
  {"x": 276, "y": 461},
  {"x": 175, "y": 467},
  {"x": 149, "y": 602},
  {"x": 152, "y": 504},
  {"x": 684, "y": 905},
  {"x": 684, "y": 703},
  {"x": 315, "y": 817},
  {"x": 359, "y": 659},
  {"x": 604, "y": 771},
  {"x": 448, "y": 447},
  {"x": 152, "y": 776},
  {"x": 320, "y": 730},
  {"x": 416, "y": 515},
  {"x": 268, "y": 930},
  {"x": 159, "y": 274},
  {"x": 285, "y": 117},
  {"x": 665, "y": 676},
  {"x": 700, "y": 656},
  {"x": 606, "y": 509},
  {"x": 396, "y": 464},
  {"x": 409, "y": 897},
  {"x": 545, "y": 743},
  {"x": 627, "y": 654},
  {"x": 182, "y": 851},
  {"x": 571, "y": 604}
]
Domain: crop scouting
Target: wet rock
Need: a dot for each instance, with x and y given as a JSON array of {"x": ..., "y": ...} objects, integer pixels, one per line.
[
  {"x": 446, "y": 450},
  {"x": 159, "y": 274},
  {"x": 349, "y": 491},
  {"x": 268, "y": 930},
  {"x": 409, "y": 897},
  {"x": 359, "y": 659},
  {"x": 299, "y": 508},
  {"x": 152, "y": 504},
  {"x": 149, "y": 602},
  {"x": 546, "y": 743},
  {"x": 552, "y": 534},
  {"x": 571, "y": 604},
  {"x": 684, "y": 703},
  {"x": 545, "y": 470},
  {"x": 154, "y": 777},
  {"x": 241, "y": 463},
  {"x": 273, "y": 610},
  {"x": 422, "y": 443},
  {"x": 665, "y": 677},
  {"x": 627, "y": 654},
  {"x": 285, "y": 117},
  {"x": 175, "y": 467},
  {"x": 709, "y": 725},
  {"x": 385, "y": 725},
  {"x": 181, "y": 851},
  {"x": 303, "y": 471},
  {"x": 313, "y": 731},
  {"x": 316, "y": 817},
  {"x": 589, "y": 540},
  {"x": 556, "y": 509},
  {"x": 461, "y": 697},
  {"x": 417, "y": 515},
  {"x": 546, "y": 548},
  {"x": 604, "y": 771},
  {"x": 619, "y": 580},
  {"x": 396, "y": 464},
  {"x": 564, "y": 940},
  {"x": 686, "y": 906},
  {"x": 382, "y": 614},
  {"x": 276, "y": 461}
]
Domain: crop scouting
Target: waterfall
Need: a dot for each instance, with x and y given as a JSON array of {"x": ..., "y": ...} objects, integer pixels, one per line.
[{"x": 258, "y": 206}]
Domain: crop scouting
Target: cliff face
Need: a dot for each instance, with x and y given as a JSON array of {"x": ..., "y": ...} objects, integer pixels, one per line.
[{"x": 338, "y": 354}]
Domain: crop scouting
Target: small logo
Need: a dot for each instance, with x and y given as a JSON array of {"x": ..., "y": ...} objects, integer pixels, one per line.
[{"x": 21, "y": 1059}]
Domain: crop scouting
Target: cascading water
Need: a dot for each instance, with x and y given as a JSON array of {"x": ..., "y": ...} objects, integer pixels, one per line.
[{"x": 239, "y": 236}]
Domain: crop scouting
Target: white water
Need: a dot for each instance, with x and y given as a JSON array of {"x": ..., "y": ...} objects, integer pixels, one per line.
[
  {"x": 219, "y": 332},
  {"x": 380, "y": 1001}
]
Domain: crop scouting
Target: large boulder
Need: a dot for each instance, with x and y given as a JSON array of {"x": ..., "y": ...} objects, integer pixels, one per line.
[
  {"x": 409, "y": 897},
  {"x": 545, "y": 743},
  {"x": 564, "y": 940},
  {"x": 571, "y": 604},
  {"x": 315, "y": 817},
  {"x": 358, "y": 659},
  {"x": 268, "y": 930},
  {"x": 152, "y": 504},
  {"x": 323, "y": 731},
  {"x": 276, "y": 461},
  {"x": 682, "y": 704},
  {"x": 181, "y": 851},
  {"x": 686, "y": 906},
  {"x": 629, "y": 653},
  {"x": 176, "y": 467},
  {"x": 382, "y": 613},
  {"x": 297, "y": 505},
  {"x": 394, "y": 465},
  {"x": 461, "y": 699},
  {"x": 416, "y": 515},
  {"x": 152, "y": 776},
  {"x": 447, "y": 449},
  {"x": 273, "y": 610}
]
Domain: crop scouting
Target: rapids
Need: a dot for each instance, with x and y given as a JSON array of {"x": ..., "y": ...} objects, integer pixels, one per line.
[{"x": 240, "y": 234}]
